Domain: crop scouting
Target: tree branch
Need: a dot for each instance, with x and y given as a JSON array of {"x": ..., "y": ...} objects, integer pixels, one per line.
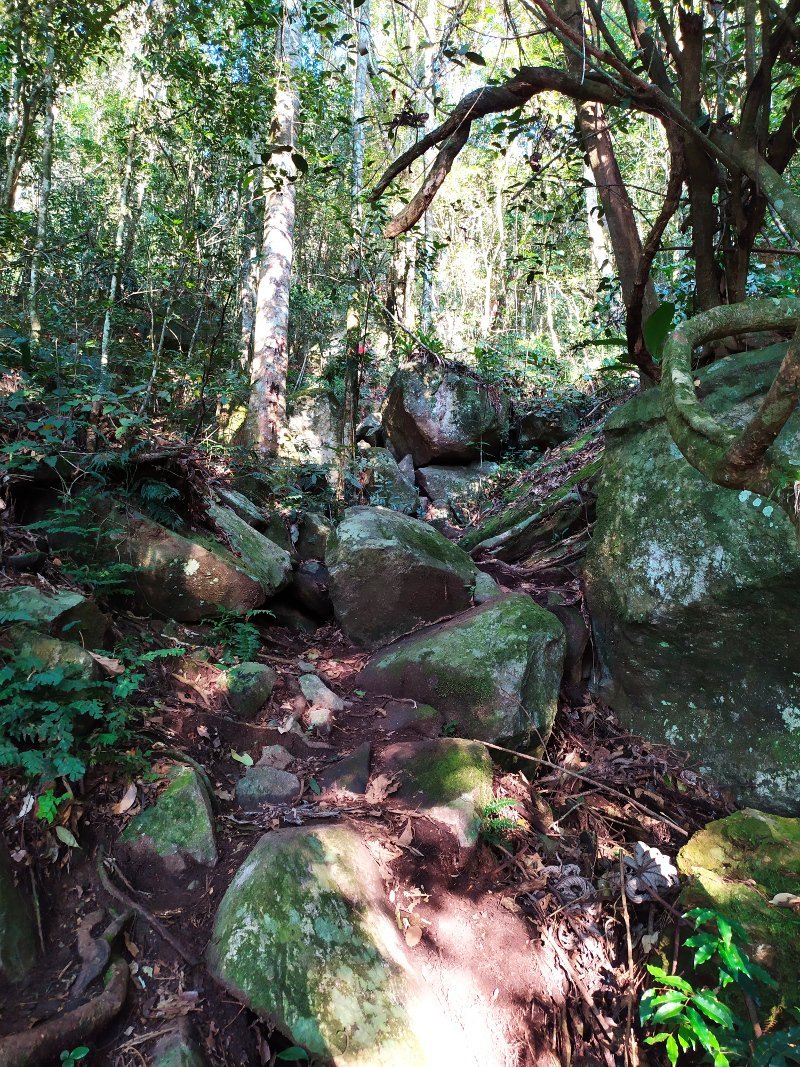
[{"x": 731, "y": 458}]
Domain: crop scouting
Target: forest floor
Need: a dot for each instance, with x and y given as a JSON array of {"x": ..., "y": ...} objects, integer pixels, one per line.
[{"x": 532, "y": 948}]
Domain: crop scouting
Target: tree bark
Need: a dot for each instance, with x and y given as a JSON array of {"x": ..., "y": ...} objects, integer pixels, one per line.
[
  {"x": 45, "y": 185},
  {"x": 269, "y": 367}
]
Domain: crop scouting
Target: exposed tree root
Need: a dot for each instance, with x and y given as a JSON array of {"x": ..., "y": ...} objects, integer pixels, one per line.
[{"x": 43, "y": 1043}]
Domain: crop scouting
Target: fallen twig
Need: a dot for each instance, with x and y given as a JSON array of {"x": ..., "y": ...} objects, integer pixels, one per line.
[
  {"x": 585, "y": 778},
  {"x": 141, "y": 911}
]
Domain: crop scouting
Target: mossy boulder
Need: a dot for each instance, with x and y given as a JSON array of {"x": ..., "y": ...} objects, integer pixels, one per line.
[
  {"x": 384, "y": 483},
  {"x": 247, "y": 688},
  {"x": 266, "y": 785},
  {"x": 176, "y": 1050},
  {"x": 17, "y": 932},
  {"x": 303, "y": 938},
  {"x": 178, "y": 826},
  {"x": 736, "y": 866},
  {"x": 448, "y": 779},
  {"x": 51, "y": 654},
  {"x": 61, "y": 613},
  {"x": 693, "y": 593},
  {"x": 244, "y": 507},
  {"x": 313, "y": 533},
  {"x": 495, "y": 671},
  {"x": 180, "y": 578},
  {"x": 390, "y": 572},
  {"x": 444, "y": 416},
  {"x": 269, "y": 564}
]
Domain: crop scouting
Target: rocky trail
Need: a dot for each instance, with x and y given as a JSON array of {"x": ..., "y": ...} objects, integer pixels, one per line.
[{"x": 415, "y": 835}]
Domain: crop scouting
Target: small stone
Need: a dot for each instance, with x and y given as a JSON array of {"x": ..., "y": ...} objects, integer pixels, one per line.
[
  {"x": 306, "y": 668},
  {"x": 317, "y": 693},
  {"x": 275, "y": 756},
  {"x": 350, "y": 774},
  {"x": 175, "y": 1050},
  {"x": 248, "y": 687},
  {"x": 486, "y": 588},
  {"x": 266, "y": 785},
  {"x": 320, "y": 720}
]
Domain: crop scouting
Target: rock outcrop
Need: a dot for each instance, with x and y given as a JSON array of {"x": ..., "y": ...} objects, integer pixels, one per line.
[
  {"x": 61, "y": 613},
  {"x": 693, "y": 592},
  {"x": 494, "y": 671},
  {"x": 303, "y": 938},
  {"x": 443, "y": 416},
  {"x": 389, "y": 573},
  {"x": 385, "y": 485}
]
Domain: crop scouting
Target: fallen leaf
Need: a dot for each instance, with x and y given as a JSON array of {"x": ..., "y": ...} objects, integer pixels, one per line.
[
  {"x": 380, "y": 787},
  {"x": 131, "y": 945},
  {"x": 787, "y": 900},
  {"x": 413, "y": 935},
  {"x": 128, "y": 800},
  {"x": 314, "y": 786},
  {"x": 242, "y": 757},
  {"x": 649, "y": 941},
  {"x": 111, "y": 666},
  {"x": 511, "y": 905},
  {"x": 66, "y": 836},
  {"x": 407, "y": 836}
]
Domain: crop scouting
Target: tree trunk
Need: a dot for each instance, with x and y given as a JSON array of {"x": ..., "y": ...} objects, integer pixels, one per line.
[
  {"x": 595, "y": 133},
  {"x": 44, "y": 199},
  {"x": 353, "y": 325},
  {"x": 268, "y": 369}
]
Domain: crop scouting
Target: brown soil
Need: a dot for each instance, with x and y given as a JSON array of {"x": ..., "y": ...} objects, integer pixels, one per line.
[{"x": 490, "y": 931}]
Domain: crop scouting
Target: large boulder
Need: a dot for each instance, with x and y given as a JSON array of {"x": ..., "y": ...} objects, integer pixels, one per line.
[
  {"x": 547, "y": 422},
  {"x": 313, "y": 429},
  {"x": 736, "y": 866},
  {"x": 389, "y": 573},
  {"x": 17, "y": 932},
  {"x": 61, "y": 613},
  {"x": 270, "y": 564},
  {"x": 693, "y": 593},
  {"x": 450, "y": 485},
  {"x": 494, "y": 671},
  {"x": 178, "y": 826},
  {"x": 443, "y": 416},
  {"x": 385, "y": 485},
  {"x": 184, "y": 579},
  {"x": 72, "y": 662},
  {"x": 303, "y": 938}
]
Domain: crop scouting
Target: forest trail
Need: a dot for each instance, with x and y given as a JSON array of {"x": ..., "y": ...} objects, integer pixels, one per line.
[{"x": 517, "y": 934}]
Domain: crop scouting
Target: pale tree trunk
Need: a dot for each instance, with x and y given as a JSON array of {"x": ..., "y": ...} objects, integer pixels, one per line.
[
  {"x": 123, "y": 216},
  {"x": 594, "y": 224},
  {"x": 250, "y": 265},
  {"x": 354, "y": 325},
  {"x": 612, "y": 191},
  {"x": 44, "y": 199},
  {"x": 266, "y": 416},
  {"x": 430, "y": 81}
]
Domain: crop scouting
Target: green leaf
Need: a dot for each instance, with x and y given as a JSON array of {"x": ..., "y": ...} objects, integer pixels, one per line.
[
  {"x": 711, "y": 1007},
  {"x": 671, "y": 980},
  {"x": 314, "y": 786},
  {"x": 657, "y": 328},
  {"x": 294, "y": 1054},
  {"x": 672, "y": 1050},
  {"x": 242, "y": 757},
  {"x": 66, "y": 836}
]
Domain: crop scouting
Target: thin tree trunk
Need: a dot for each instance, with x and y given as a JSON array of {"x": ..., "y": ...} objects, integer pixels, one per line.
[
  {"x": 268, "y": 370},
  {"x": 353, "y": 326},
  {"x": 44, "y": 200},
  {"x": 250, "y": 266},
  {"x": 612, "y": 191}
]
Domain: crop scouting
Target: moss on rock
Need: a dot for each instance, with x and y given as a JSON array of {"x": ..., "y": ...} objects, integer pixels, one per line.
[
  {"x": 736, "y": 866},
  {"x": 248, "y": 686},
  {"x": 693, "y": 595},
  {"x": 448, "y": 778},
  {"x": 495, "y": 671},
  {"x": 179, "y": 824},
  {"x": 303, "y": 939},
  {"x": 269, "y": 564}
]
